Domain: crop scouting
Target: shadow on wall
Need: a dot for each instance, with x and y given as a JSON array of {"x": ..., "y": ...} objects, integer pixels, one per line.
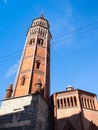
[
  {"x": 74, "y": 122},
  {"x": 14, "y": 121},
  {"x": 27, "y": 119}
]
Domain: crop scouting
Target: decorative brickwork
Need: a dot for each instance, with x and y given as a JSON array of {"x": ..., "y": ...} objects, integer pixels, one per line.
[
  {"x": 74, "y": 110},
  {"x": 29, "y": 108},
  {"x": 35, "y": 61}
]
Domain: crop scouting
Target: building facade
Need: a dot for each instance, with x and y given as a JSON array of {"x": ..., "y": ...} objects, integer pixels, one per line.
[
  {"x": 75, "y": 109},
  {"x": 29, "y": 106},
  {"x": 26, "y": 106}
]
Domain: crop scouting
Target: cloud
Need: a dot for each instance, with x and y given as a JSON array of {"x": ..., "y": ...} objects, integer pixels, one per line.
[
  {"x": 12, "y": 70},
  {"x": 5, "y": 1}
]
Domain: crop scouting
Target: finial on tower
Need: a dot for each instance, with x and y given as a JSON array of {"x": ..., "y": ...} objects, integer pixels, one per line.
[{"x": 41, "y": 14}]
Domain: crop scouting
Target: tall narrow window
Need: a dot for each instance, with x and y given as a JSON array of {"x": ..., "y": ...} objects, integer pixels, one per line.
[
  {"x": 32, "y": 41},
  {"x": 37, "y": 64},
  {"x": 75, "y": 101},
  {"x": 81, "y": 101},
  {"x": 23, "y": 78},
  {"x": 94, "y": 104},
  {"x": 71, "y": 101},
  {"x": 64, "y": 102},
  {"x": 85, "y": 102},
  {"x": 40, "y": 41},
  {"x": 58, "y": 104},
  {"x": 88, "y": 103},
  {"x": 68, "y": 102},
  {"x": 91, "y": 104},
  {"x": 61, "y": 102}
]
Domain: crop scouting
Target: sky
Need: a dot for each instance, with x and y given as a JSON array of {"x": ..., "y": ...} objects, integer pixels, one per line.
[{"x": 74, "y": 44}]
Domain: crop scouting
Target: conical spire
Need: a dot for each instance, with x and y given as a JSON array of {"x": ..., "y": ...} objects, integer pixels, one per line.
[{"x": 9, "y": 91}]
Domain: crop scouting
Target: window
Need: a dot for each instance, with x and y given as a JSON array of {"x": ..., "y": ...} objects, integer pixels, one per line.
[
  {"x": 23, "y": 78},
  {"x": 71, "y": 101},
  {"x": 58, "y": 105},
  {"x": 32, "y": 41},
  {"x": 85, "y": 102},
  {"x": 88, "y": 103},
  {"x": 75, "y": 101},
  {"x": 68, "y": 102},
  {"x": 37, "y": 64},
  {"x": 93, "y": 104},
  {"x": 61, "y": 102},
  {"x": 64, "y": 102},
  {"x": 40, "y": 41}
]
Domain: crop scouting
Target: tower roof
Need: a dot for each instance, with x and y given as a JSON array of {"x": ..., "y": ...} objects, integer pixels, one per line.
[{"x": 41, "y": 21}]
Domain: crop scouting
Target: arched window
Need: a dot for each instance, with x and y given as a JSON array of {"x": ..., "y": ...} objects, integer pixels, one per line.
[
  {"x": 23, "y": 78},
  {"x": 40, "y": 41},
  {"x": 32, "y": 41},
  {"x": 38, "y": 64}
]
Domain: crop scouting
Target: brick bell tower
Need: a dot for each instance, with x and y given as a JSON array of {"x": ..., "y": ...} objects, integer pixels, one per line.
[
  {"x": 34, "y": 70},
  {"x": 26, "y": 107}
]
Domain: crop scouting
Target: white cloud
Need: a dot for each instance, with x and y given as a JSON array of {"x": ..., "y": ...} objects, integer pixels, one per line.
[
  {"x": 12, "y": 70},
  {"x": 5, "y": 1}
]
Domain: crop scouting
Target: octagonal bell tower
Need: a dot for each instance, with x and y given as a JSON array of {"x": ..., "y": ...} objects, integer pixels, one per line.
[{"x": 35, "y": 61}]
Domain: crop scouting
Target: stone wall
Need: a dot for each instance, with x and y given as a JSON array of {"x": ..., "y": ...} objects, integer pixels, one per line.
[{"x": 24, "y": 113}]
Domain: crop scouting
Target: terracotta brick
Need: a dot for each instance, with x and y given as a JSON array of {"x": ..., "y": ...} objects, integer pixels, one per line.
[{"x": 36, "y": 50}]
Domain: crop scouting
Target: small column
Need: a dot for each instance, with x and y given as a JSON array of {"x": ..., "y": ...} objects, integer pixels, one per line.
[
  {"x": 9, "y": 91},
  {"x": 91, "y": 104},
  {"x": 71, "y": 102}
]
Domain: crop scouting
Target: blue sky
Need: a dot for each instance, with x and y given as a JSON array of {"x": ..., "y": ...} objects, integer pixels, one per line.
[{"x": 74, "y": 46}]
